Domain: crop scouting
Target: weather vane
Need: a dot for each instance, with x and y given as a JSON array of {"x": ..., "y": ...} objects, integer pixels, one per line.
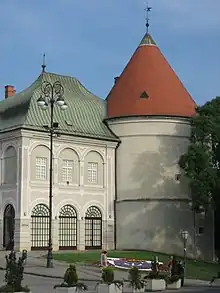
[
  {"x": 44, "y": 63},
  {"x": 147, "y": 10}
]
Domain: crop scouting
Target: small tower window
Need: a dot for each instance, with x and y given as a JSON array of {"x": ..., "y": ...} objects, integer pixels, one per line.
[
  {"x": 144, "y": 95},
  {"x": 201, "y": 231},
  {"x": 177, "y": 177}
]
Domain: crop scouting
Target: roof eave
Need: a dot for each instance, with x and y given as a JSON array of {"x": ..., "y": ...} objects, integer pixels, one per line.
[
  {"x": 149, "y": 116},
  {"x": 62, "y": 132}
]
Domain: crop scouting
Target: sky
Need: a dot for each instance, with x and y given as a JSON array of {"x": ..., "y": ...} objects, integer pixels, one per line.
[{"x": 93, "y": 40}]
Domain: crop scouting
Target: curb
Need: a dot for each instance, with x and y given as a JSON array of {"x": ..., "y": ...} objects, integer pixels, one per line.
[{"x": 52, "y": 277}]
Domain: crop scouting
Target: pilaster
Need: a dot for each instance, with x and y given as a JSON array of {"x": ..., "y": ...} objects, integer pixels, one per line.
[{"x": 81, "y": 234}]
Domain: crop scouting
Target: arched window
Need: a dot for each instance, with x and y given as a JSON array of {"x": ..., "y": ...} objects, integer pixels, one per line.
[
  {"x": 67, "y": 228},
  {"x": 39, "y": 227},
  {"x": 93, "y": 228},
  {"x": 8, "y": 227},
  {"x": 94, "y": 169},
  {"x": 39, "y": 163},
  {"x": 69, "y": 167}
]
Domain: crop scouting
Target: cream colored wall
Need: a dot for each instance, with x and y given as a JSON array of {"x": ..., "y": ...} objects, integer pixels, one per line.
[
  {"x": 79, "y": 193},
  {"x": 10, "y": 166},
  {"x": 152, "y": 206}
]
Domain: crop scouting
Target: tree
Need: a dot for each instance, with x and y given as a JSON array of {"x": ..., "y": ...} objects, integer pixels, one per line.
[{"x": 201, "y": 162}]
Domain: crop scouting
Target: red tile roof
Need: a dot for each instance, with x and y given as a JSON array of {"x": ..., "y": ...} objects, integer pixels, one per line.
[{"x": 149, "y": 86}]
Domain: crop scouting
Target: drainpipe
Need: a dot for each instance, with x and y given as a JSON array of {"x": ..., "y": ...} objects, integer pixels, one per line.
[{"x": 116, "y": 197}]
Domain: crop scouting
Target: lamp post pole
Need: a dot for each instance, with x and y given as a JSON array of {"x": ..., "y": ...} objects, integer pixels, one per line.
[
  {"x": 184, "y": 244},
  {"x": 184, "y": 236},
  {"x": 52, "y": 94}
]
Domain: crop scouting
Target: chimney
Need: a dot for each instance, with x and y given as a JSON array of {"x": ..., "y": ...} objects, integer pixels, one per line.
[
  {"x": 9, "y": 91},
  {"x": 116, "y": 79}
]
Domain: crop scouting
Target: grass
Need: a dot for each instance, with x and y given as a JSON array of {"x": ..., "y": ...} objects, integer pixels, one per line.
[{"x": 195, "y": 269}]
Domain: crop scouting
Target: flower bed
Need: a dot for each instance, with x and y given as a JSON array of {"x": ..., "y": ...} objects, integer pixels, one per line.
[{"x": 127, "y": 263}]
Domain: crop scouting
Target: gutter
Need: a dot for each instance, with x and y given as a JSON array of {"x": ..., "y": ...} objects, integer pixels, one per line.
[{"x": 116, "y": 198}]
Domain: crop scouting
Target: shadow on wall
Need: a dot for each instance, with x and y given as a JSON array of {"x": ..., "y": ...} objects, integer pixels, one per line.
[
  {"x": 157, "y": 173},
  {"x": 154, "y": 225}
]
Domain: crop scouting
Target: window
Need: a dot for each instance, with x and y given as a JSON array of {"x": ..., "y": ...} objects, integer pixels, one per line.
[
  {"x": 144, "y": 95},
  {"x": 93, "y": 173},
  {"x": 201, "y": 230},
  {"x": 67, "y": 171},
  {"x": 41, "y": 168},
  {"x": 178, "y": 177}
]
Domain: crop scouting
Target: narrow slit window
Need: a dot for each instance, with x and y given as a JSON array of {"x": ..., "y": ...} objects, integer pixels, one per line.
[
  {"x": 201, "y": 230},
  {"x": 178, "y": 177}
]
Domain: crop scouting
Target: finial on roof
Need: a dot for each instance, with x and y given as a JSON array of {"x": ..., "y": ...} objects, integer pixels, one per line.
[
  {"x": 44, "y": 63},
  {"x": 147, "y": 10}
]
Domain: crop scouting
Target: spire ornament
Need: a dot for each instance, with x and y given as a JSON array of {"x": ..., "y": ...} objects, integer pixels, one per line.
[
  {"x": 147, "y": 10},
  {"x": 44, "y": 63}
]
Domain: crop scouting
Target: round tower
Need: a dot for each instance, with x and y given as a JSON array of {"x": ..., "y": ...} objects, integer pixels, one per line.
[{"x": 149, "y": 109}]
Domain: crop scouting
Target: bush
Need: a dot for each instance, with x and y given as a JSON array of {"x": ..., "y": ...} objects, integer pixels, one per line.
[
  {"x": 71, "y": 276},
  {"x": 108, "y": 275},
  {"x": 134, "y": 278},
  {"x": 156, "y": 275},
  {"x": 109, "y": 278},
  {"x": 14, "y": 274},
  {"x": 70, "y": 279},
  {"x": 172, "y": 279}
]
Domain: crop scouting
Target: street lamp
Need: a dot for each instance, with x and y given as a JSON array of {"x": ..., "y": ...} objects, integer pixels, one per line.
[
  {"x": 52, "y": 94},
  {"x": 185, "y": 235}
]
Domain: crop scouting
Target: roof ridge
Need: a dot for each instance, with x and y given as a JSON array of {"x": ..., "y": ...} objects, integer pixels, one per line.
[
  {"x": 178, "y": 78},
  {"x": 80, "y": 85},
  {"x": 39, "y": 79}
]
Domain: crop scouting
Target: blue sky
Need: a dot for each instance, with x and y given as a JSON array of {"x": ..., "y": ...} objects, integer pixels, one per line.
[{"x": 93, "y": 40}]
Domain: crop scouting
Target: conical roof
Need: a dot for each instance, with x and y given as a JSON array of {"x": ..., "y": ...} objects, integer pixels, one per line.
[{"x": 149, "y": 86}]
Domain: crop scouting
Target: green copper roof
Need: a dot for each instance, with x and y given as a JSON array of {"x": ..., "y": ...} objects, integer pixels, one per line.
[
  {"x": 83, "y": 117},
  {"x": 147, "y": 40}
]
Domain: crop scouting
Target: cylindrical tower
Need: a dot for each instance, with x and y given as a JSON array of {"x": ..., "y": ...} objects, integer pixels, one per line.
[{"x": 149, "y": 109}]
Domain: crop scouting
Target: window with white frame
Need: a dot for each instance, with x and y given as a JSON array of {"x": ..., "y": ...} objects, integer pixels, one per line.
[
  {"x": 41, "y": 168},
  {"x": 93, "y": 173},
  {"x": 67, "y": 171}
]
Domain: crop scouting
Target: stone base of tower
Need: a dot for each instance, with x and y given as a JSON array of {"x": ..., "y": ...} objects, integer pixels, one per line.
[{"x": 156, "y": 225}]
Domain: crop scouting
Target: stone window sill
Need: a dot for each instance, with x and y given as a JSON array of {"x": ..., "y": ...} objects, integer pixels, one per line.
[
  {"x": 93, "y": 186},
  {"x": 70, "y": 185}
]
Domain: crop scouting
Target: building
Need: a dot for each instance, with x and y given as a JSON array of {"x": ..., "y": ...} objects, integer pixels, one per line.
[{"x": 116, "y": 179}]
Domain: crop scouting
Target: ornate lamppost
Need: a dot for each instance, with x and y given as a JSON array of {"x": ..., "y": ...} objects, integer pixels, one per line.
[
  {"x": 185, "y": 235},
  {"x": 52, "y": 94}
]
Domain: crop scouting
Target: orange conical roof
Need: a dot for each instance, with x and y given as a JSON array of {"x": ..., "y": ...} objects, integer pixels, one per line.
[{"x": 149, "y": 86}]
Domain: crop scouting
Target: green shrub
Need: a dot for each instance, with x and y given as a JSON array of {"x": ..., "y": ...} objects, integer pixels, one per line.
[
  {"x": 14, "y": 274},
  {"x": 70, "y": 279},
  {"x": 172, "y": 279},
  {"x": 108, "y": 278},
  {"x": 134, "y": 278},
  {"x": 108, "y": 275},
  {"x": 71, "y": 276}
]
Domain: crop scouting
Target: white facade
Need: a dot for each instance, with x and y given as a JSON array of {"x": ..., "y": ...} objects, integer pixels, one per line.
[
  {"x": 83, "y": 177},
  {"x": 153, "y": 198}
]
